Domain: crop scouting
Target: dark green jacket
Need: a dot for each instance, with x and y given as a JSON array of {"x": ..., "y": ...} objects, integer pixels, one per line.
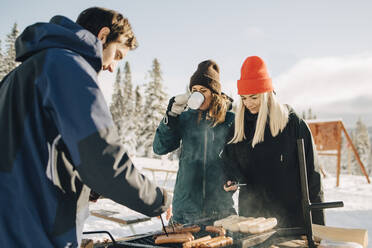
[{"x": 200, "y": 177}]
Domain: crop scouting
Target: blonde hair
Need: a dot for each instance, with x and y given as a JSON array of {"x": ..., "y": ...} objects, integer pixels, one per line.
[
  {"x": 270, "y": 107},
  {"x": 217, "y": 109}
]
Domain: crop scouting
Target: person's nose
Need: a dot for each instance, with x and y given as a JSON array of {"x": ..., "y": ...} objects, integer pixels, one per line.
[
  {"x": 249, "y": 104},
  {"x": 110, "y": 68}
]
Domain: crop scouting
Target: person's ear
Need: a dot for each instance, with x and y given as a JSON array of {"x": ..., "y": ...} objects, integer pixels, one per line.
[{"x": 102, "y": 34}]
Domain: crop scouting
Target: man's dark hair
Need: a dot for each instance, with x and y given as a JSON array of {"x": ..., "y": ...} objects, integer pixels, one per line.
[{"x": 95, "y": 18}]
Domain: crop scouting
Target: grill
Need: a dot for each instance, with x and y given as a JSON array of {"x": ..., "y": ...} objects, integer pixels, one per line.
[{"x": 240, "y": 239}]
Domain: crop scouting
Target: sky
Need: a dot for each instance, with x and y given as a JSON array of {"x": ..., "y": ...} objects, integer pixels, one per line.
[{"x": 318, "y": 53}]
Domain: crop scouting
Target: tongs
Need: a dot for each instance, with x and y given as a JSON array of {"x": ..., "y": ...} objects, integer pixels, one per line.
[
  {"x": 237, "y": 184},
  {"x": 162, "y": 223},
  {"x": 171, "y": 223}
]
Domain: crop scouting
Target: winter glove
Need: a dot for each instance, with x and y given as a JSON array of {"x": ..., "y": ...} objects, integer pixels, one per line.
[
  {"x": 177, "y": 104},
  {"x": 93, "y": 197}
]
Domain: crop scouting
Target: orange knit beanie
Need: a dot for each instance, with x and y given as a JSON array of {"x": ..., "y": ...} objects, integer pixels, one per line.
[{"x": 254, "y": 78}]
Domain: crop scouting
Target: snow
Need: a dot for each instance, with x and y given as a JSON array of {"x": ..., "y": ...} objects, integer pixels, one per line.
[
  {"x": 354, "y": 191},
  {"x": 356, "y": 194}
]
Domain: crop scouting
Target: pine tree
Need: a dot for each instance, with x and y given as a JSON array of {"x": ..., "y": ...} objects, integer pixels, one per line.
[
  {"x": 309, "y": 115},
  {"x": 129, "y": 125},
  {"x": 128, "y": 91},
  {"x": 2, "y": 65},
  {"x": 362, "y": 144},
  {"x": 117, "y": 105},
  {"x": 139, "y": 121},
  {"x": 154, "y": 109},
  {"x": 9, "y": 59},
  {"x": 304, "y": 115}
]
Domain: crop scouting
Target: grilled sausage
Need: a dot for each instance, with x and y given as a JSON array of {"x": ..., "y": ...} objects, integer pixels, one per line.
[
  {"x": 220, "y": 242},
  {"x": 192, "y": 229},
  {"x": 216, "y": 229},
  {"x": 195, "y": 243},
  {"x": 174, "y": 238},
  {"x": 205, "y": 244},
  {"x": 181, "y": 229}
]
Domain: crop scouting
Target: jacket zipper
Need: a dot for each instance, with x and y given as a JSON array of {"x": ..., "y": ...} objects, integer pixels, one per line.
[{"x": 205, "y": 165}]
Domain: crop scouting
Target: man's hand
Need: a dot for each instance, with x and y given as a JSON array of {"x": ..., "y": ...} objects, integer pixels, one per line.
[
  {"x": 229, "y": 186},
  {"x": 177, "y": 104},
  {"x": 169, "y": 213}
]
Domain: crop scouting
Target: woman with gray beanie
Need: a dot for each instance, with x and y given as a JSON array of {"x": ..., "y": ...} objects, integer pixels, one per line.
[{"x": 202, "y": 128}]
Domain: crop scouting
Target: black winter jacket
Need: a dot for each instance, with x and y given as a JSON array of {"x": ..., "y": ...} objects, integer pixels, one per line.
[{"x": 271, "y": 171}]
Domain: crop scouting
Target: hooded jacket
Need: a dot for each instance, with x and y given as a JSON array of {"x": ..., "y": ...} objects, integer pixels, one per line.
[
  {"x": 271, "y": 172},
  {"x": 200, "y": 177},
  {"x": 58, "y": 140}
]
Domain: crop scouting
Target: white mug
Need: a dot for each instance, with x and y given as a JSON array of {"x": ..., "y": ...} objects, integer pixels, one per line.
[{"x": 196, "y": 99}]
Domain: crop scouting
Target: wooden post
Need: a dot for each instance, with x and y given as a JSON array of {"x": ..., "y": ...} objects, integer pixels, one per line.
[
  {"x": 348, "y": 159},
  {"x": 355, "y": 153}
]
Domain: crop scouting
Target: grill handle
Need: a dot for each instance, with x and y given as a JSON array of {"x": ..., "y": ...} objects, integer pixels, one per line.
[
  {"x": 324, "y": 205},
  {"x": 307, "y": 206},
  {"x": 100, "y": 232}
]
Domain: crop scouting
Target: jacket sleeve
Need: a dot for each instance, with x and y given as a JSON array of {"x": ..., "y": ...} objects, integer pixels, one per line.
[
  {"x": 167, "y": 136},
  {"x": 230, "y": 161},
  {"x": 74, "y": 103},
  {"x": 313, "y": 175}
]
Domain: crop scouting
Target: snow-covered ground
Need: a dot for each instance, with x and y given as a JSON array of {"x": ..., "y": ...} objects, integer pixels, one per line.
[{"x": 354, "y": 191}]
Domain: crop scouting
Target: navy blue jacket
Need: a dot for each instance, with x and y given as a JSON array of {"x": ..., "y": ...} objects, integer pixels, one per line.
[{"x": 58, "y": 140}]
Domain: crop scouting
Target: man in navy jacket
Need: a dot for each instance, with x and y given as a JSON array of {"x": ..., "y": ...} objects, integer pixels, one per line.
[{"x": 57, "y": 137}]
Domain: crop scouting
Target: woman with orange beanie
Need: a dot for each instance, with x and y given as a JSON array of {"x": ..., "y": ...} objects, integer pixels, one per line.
[{"x": 262, "y": 152}]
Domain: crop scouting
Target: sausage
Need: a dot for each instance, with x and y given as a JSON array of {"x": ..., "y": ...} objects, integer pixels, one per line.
[
  {"x": 216, "y": 229},
  {"x": 181, "y": 229},
  {"x": 232, "y": 224},
  {"x": 263, "y": 226},
  {"x": 206, "y": 243},
  {"x": 232, "y": 219},
  {"x": 245, "y": 225},
  {"x": 227, "y": 219},
  {"x": 192, "y": 229},
  {"x": 194, "y": 243},
  {"x": 222, "y": 241},
  {"x": 174, "y": 238}
]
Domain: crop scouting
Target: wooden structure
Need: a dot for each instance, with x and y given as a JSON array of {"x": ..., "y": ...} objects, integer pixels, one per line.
[{"x": 327, "y": 138}]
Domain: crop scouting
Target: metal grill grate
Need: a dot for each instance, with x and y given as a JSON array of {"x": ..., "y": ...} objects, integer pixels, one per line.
[
  {"x": 240, "y": 239},
  {"x": 149, "y": 241}
]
